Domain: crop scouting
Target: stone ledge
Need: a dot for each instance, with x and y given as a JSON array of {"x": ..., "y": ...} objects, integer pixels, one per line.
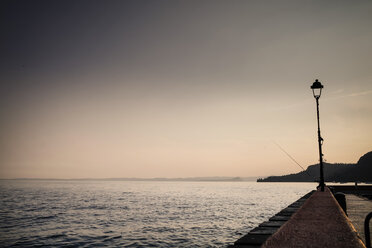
[{"x": 319, "y": 223}]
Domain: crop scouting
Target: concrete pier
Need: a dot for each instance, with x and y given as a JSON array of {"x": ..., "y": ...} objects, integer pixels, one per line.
[
  {"x": 257, "y": 236},
  {"x": 318, "y": 221}
]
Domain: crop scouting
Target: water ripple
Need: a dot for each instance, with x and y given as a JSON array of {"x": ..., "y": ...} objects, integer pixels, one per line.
[{"x": 136, "y": 214}]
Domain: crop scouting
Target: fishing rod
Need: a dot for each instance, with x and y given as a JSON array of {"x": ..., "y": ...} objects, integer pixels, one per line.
[{"x": 281, "y": 148}]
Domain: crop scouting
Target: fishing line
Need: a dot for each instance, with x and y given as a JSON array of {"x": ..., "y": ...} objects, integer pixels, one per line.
[{"x": 281, "y": 148}]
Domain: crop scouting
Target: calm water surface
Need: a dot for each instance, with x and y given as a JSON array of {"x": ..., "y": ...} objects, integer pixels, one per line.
[{"x": 136, "y": 214}]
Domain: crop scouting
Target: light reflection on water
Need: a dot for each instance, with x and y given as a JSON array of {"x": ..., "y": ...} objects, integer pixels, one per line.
[{"x": 137, "y": 214}]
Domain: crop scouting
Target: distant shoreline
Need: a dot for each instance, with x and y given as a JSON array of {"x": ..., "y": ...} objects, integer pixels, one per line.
[{"x": 186, "y": 179}]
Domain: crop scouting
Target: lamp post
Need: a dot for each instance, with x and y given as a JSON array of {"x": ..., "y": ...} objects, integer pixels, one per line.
[{"x": 317, "y": 91}]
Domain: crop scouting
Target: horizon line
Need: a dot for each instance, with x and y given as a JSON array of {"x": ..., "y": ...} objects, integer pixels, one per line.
[{"x": 211, "y": 178}]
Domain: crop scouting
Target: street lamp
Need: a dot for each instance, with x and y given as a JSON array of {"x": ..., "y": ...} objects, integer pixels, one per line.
[{"x": 317, "y": 91}]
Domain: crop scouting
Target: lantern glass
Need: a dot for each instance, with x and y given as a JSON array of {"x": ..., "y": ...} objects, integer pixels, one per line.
[
  {"x": 317, "y": 88},
  {"x": 317, "y": 92}
]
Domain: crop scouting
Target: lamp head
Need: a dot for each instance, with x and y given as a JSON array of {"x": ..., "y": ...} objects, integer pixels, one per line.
[{"x": 317, "y": 88}]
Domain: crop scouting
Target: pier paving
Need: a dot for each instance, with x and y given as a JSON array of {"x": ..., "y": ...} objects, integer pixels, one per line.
[
  {"x": 357, "y": 210},
  {"x": 320, "y": 222},
  {"x": 256, "y": 237}
]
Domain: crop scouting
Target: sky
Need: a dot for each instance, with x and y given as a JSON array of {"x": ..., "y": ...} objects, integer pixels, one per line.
[{"x": 154, "y": 88}]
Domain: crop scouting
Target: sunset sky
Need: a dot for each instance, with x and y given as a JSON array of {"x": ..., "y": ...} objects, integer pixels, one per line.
[{"x": 181, "y": 88}]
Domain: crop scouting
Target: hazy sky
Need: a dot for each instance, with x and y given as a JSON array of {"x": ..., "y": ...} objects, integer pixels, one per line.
[{"x": 181, "y": 88}]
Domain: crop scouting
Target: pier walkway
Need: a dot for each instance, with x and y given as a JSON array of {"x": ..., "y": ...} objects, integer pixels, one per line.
[
  {"x": 357, "y": 210},
  {"x": 320, "y": 222}
]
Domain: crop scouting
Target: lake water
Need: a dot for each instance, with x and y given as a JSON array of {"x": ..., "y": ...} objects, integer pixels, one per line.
[{"x": 137, "y": 213}]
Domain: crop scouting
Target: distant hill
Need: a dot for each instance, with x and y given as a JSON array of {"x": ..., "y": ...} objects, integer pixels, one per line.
[{"x": 338, "y": 172}]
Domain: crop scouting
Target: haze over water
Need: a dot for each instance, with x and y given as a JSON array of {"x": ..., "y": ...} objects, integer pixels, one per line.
[{"x": 137, "y": 214}]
